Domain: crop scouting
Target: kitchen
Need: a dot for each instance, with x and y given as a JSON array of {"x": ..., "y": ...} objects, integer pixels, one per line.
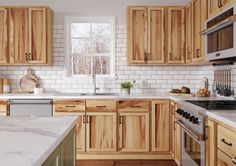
[{"x": 157, "y": 46}]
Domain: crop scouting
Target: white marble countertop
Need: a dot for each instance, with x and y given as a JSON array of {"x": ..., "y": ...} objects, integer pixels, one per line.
[
  {"x": 223, "y": 116},
  {"x": 29, "y": 141}
]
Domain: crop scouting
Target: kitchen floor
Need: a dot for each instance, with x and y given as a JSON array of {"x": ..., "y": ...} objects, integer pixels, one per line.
[{"x": 126, "y": 163}]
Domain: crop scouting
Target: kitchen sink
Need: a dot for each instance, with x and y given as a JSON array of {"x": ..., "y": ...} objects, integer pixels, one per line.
[{"x": 99, "y": 94}]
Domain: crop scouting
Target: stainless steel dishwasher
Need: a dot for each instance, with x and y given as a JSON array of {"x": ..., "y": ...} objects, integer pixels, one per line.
[{"x": 30, "y": 107}]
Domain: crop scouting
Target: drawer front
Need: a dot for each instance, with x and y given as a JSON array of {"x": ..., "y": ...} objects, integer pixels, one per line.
[
  {"x": 101, "y": 106},
  {"x": 227, "y": 141},
  {"x": 134, "y": 106},
  {"x": 223, "y": 159},
  {"x": 69, "y": 106}
]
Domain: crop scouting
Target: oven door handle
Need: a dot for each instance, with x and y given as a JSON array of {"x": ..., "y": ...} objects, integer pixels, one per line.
[{"x": 195, "y": 135}]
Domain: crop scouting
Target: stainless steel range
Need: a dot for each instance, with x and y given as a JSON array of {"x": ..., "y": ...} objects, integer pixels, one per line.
[{"x": 192, "y": 120}]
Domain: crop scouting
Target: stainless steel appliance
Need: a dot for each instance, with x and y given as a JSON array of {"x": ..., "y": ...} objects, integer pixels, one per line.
[
  {"x": 30, "y": 107},
  {"x": 192, "y": 121},
  {"x": 221, "y": 35}
]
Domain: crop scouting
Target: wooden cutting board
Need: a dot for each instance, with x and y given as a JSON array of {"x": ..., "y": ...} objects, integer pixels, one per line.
[
  {"x": 182, "y": 94},
  {"x": 29, "y": 82}
]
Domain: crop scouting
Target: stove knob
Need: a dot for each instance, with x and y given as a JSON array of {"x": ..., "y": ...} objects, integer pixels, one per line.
[
  {"x": 184, "y": 114},
  {"x": 195, "y": 121},
  {"x": 187, "y": 116},
  {"x": 178, "y": 111},
  {"x": 191, "y": 118},
  {"x": 181, "y": 112}
]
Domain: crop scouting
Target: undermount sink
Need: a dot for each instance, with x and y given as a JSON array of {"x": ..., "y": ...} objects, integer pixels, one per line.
[{"x": 99, "y": 94}]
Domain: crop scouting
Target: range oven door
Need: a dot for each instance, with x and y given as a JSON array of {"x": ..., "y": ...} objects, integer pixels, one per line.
[{"x": 193, "y": 147}]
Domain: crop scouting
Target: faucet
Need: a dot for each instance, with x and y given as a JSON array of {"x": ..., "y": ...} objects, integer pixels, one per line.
[{"x": 94, "y": 79}]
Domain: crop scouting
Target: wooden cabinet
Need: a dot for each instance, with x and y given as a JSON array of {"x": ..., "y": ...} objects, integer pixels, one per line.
[
  {"x": 3, "y": 36},
  {"x": 101, "y": 125},
  {"x": 189, "y": 33},
  {"x": 30, "y": 35},
  {"x": 134, "y": 126},
  {"x": 73, "y": 107},
  {"x": 176, "y": 35},
  {"x": 146, "y": 35},
  {"x": 211, "y": 143},
  {"x": 176, "y": 131},
  {"x": 3, "y": 108},
  {"x": 198, "y": 26},
  {"x": 161, "y": 126},
  {"x": 216, "y": 6},
  {"x": 223, "y": 159}
]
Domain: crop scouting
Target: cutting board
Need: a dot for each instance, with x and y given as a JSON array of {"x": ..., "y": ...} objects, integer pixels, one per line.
[
  {"x": 182, "y": 94},
  {"x": 29, "y": 82}
]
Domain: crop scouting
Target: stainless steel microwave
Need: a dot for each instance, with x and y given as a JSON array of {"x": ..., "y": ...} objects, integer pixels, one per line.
[{"x": 221, "y": 35}]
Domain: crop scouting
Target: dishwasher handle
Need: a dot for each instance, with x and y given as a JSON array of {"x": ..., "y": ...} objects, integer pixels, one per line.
[{"x": 31, "y": 101}]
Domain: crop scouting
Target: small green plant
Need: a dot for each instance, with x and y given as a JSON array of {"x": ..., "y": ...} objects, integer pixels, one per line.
[{"x": 126, "y": 85}]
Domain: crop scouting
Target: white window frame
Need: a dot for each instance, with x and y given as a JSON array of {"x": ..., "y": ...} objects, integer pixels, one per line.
[{"x": 74, "y": 19}]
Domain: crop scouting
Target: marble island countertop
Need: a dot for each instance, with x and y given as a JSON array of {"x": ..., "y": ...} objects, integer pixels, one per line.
[
  {"x": 228, "y": 117},
  {"x": 29, "y": 141}
]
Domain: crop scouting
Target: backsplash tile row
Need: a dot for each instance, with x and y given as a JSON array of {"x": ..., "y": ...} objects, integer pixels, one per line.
[{"x": 148, "y": 79}]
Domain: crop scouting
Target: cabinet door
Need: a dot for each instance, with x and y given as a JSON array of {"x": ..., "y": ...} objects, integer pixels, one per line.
[
  {"x": 223, "y": 159},
  {"x": 178, "y": 143},
  {"x": 4, "y": 36},
  {"x": 211, "y": 143},
  {"x": 101, "y": 131},
  {"x": 213, "y": 8},
  {"x": 19, "y": 35},
  {"x": 134, "y": 132},
  {"x": 176, "y": 35},
  {"x": 156, "y": 35},
  {"x": 160, "y": 126},
  {"x": 37, "y": 35},
  {"x": 137, "y": 35},
  {"x": 189, "y": 33}
]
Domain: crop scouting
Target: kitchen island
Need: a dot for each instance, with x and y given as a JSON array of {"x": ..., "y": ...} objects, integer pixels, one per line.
[{"x": 35, "y": 141}]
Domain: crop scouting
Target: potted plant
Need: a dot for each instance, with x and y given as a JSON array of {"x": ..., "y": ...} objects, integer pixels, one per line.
[{"x": 125, "y": 87}]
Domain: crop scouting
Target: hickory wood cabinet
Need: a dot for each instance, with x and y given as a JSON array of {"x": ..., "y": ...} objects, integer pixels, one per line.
[
  {"x": 27, "y": 38},
  {"x": 220, "y": 144},
  {"x": 146, "y": 35},
  {"x": 176, "y": 35},
  {"x": 189, "y": 33},
  {"x": 216, "y": 6},
  {"x": 134, "y": 126},
  {"x": 101, "y": 125},
  {"x": 199, "y": 19},
  {"x": 4, "y": 35},
  {"x": 3, "y": 107}
]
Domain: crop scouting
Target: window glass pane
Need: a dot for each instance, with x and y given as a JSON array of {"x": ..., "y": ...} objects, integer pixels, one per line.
[
  {"x": 105, "y": 61},
  {"x": 81, "y": 30},
  {"x": 81, "y": 65},
  {"x": 80, "y": 46},
  {"x": 101, "y": 45},
  {"x": 101, "y": 30},
  {"x": 97, "y": 64}
]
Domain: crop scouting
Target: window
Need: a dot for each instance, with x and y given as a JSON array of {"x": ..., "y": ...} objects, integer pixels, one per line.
[{"x": 90, "y": 46}]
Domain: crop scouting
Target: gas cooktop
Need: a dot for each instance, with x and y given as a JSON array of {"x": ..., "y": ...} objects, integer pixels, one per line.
[{"x": 215, "y": 104}]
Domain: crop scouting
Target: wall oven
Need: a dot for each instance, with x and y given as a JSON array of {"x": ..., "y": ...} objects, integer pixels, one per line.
[{"x": 221, "y": 35}]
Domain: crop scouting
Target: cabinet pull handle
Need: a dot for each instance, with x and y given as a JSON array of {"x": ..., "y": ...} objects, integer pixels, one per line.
[
  {"x": 234, "y": 160},
  {"x": 197, "y": 53},
  {"x": 135, "y": 106},
  {"x": 26, "y": 56},
  {"x": 145, "y": 57},
  {"x": 218, "y": 3},
  {"x": 88, "y": 119},
  {"x": 229, "y": 144},
  {"x": 70, "y": 106},
  {"x": 121, "y": 120},
  {"x": 101, "y": 106},
  {"x": 30, "y": 56},
  {"x": 221, "y": 3}
]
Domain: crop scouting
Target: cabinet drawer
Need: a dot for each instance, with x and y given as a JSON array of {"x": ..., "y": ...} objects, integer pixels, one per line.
[
  {"x": 134, "y": 106},
  {"x": 69, "y": 106},
  {"x": 223, "y": 159},
  {"x": 227, "y": 141},
  {"x": 101, "y": 106}
]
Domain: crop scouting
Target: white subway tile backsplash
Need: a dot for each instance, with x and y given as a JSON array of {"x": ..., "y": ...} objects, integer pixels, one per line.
[{"x": 148, "y": 79}]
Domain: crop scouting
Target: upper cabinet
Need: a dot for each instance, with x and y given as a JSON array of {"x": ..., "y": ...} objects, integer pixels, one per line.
[
  {"x": 176, "y": 35},
  {"x": 215, "y": 6},
  {"x": 30, "y": 35},
  {"x": 3, "y": 36},
  {"x": 145, "y": 35},
  {"x": 199, "y": 19},
  {"x": 28, "y": 40}
]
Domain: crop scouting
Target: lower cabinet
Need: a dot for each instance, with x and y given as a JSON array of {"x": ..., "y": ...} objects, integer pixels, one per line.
[
  {"x": 160, "y": 126},
  {"x": 223, "y": 159},
  {"x": 134, "y": 126},
  {"x": 65, "y": 153}
]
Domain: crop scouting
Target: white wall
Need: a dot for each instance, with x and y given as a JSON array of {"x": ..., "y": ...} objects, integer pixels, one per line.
[{"x": 91, "y": 7}]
